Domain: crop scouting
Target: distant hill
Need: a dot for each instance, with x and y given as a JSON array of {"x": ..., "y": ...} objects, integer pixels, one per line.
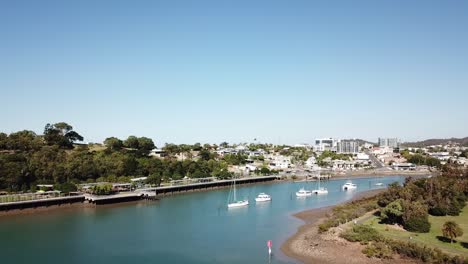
[{"x": 431, "y": 142}]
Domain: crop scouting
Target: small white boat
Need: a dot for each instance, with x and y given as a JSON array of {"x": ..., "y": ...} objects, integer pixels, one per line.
[
  {"x": 303, "y": 193},
  {"x": 238, "y": 204},
  {"x": 379, "y": 184},
  {"x": 263, "y": 197},
  {"x": 349, "y": 186}
]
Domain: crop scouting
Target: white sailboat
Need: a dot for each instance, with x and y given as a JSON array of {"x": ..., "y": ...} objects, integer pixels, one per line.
[
  {"x": 320, "y": 190},
  {"x": 236, "y": 203}
]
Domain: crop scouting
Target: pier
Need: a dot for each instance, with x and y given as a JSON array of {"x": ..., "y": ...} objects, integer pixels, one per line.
[
  {"x": 41, "y": 202},
  {"x": 140, "y": 194},
  {"x": 207, "y": 185}
]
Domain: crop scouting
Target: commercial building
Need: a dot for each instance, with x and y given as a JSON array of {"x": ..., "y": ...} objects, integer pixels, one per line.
[
  {"x": 322, "y": 144},
  {"x": 389, "y": 142},
  {"x": 347, "y": 147}
]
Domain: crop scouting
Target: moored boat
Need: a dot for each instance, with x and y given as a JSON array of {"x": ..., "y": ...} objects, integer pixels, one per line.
[{"x": 263, "y": 197}]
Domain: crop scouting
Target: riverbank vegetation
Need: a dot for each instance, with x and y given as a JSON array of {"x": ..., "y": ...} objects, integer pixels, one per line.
[
  {"x": 28, "y": 159},
  {"x": 420, "y": 219}
]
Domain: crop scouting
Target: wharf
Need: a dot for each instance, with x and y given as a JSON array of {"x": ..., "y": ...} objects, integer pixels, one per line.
[
  {"x": 207, "y": 185},
  {"x": 42, "y": 202}
]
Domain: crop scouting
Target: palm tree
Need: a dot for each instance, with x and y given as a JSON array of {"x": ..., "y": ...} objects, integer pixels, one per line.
[{"x": 451, "y": 230}]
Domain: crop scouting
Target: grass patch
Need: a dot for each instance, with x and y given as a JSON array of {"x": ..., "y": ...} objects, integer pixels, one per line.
[{"x": 434, "y": 238}]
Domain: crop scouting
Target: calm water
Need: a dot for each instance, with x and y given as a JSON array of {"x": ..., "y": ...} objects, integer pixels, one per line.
[{"x": 189, "y": 228}]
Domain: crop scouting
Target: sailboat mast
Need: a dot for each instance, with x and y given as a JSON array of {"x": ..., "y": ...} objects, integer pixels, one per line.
[{"x": 235, "y": 198}]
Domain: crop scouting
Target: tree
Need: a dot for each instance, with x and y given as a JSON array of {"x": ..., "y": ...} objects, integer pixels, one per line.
[
  {"x": 451, "y": 230},
  {"x": 392, "y": 213},
  {"x": 23, "y": 140},
  {"x": 131, "y": 142},
  {"x": 205, "y": 154},
  {"x": 145, "y": 145},
  {"x": 415, "y": 217},
  {"x": 61, "y": 134},
  {"x": 113, "y": 143},
  {"x": 3, "y": 140}
]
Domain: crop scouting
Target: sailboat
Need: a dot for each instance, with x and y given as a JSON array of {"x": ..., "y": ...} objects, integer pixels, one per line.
[
  {"x": 303, "y": 192},
  {"x": 235, "y": 202},
  {"x": 320, "y": 190}
]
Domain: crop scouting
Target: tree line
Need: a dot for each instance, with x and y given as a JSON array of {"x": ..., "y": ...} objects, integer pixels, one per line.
[{"x": 28, "y": 159}]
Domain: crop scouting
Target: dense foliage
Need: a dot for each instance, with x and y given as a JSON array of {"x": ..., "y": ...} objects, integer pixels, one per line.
[
  {"x": 381, "y": 247},
  {"x": 27, "y": 159},
  {"x": 409, "y": 205},
  {"x": 421, "y": 159}
]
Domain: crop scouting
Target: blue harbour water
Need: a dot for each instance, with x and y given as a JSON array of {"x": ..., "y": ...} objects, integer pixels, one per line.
[{"x": 188, "y": 228}]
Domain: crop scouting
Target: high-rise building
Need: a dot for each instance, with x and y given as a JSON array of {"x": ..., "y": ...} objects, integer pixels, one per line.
[
  {"x": 389, "y": 142},
  {"x": 322, "y": 144},
  {"x": 347, "y": 147}
]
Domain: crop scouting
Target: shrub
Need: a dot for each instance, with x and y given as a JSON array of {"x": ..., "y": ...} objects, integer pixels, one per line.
[
  {"x": 378, "y": 250},
  {"x": 362, "y": 233},
  {"x": 423, "y": 253},
  {"x": 348, "y": 212},
  {"x": 417, "y": 224},
  {"x": 438, "y": 211}
]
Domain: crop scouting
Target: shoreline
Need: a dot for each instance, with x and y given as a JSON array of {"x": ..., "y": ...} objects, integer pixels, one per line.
[
  {"x": 373, "y": 174},
  {"x": 300, "y": 247}
]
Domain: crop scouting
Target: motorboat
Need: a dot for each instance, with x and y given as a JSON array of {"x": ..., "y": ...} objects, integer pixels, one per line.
[
  {"x": 349, "y": 186},
  {"x": 379, "y": 184},
  {"x": 303, "y": 193},
  {"x": 263, "y": 197}
]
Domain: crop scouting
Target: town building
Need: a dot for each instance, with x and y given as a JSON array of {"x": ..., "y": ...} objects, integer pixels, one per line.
[
  {"x": 347, "y": 147},
  {"x": 389, "y": 142},
  {"x": 323, "y": 144}
]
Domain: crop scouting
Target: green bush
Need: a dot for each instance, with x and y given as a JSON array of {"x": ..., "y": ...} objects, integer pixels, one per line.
[
  {"x": 438, "y": 211},
  {"x": 362, "y": 233},
  {"x": 66, "y": 187},
  {"x": 417, "y": 224},
  {"x": 423, "y": 253},
  {"x": 102, "y": 189},
  {"x": 378, "y": 250}
]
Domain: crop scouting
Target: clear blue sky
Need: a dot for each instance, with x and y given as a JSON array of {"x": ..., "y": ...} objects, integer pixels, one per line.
[{"x": 209, "y": 71}]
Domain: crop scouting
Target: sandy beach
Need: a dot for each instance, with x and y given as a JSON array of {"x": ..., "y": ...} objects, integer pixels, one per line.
[{"x": 308, "y": 246}]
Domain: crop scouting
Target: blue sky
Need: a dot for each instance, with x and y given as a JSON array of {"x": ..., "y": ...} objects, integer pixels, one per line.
[{"x": 213, "y": 71}]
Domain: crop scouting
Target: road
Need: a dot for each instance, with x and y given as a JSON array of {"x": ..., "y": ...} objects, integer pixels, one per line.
[{"x": 377, "y": 163}]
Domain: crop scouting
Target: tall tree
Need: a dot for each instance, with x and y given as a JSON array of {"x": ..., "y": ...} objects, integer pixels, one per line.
[
  {"x": 131, "y": 142},
  {"x": 61, "y": 134},
  {"x": 113, "y": 143},
  {"x": 145, "y": 144}
]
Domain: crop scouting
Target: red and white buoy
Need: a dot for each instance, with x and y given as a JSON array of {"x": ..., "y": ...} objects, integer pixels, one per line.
[{"x": 269, "y": 247}]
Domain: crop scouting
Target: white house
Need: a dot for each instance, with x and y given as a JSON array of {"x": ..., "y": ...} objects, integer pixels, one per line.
[
  {"x": 362, "y": 156},
  {"x": 310, "y": 162},
  {"x": 280, "y": 162}
]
